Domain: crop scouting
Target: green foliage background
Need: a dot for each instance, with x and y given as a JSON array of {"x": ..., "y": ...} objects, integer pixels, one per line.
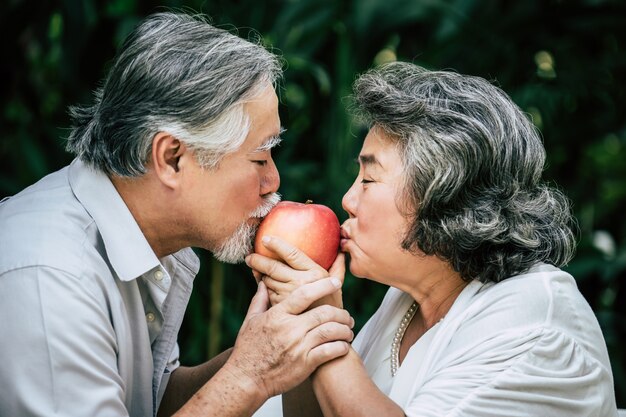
[{"x": 564, "y": 62}]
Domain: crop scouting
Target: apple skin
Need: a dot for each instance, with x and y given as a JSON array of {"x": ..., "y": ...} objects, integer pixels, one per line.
[{"x": 312, "y": 228}]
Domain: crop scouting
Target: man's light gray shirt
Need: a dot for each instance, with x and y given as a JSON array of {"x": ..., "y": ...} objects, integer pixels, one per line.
[{"x": 89, "y": 314}]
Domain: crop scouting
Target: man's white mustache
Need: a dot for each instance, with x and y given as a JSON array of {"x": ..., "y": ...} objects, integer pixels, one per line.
[{"x": 268, "y": 204}]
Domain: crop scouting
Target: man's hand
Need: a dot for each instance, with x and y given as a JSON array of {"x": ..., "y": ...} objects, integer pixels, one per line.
[
  {"x": 295, "y": 270},
  {"x": 277, "y": 349}
]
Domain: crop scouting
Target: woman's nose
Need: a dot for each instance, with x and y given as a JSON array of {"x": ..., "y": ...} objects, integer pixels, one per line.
[{"x": 348, "y": 202}]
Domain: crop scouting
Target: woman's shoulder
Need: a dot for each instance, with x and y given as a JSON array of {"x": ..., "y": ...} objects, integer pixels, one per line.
[
  {"x": 530, "y": 296},
  {"x": 543, "y": 299}
]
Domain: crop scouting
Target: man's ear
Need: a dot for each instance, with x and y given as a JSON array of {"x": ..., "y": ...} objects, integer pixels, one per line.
[{"x": 166, "y": 153}]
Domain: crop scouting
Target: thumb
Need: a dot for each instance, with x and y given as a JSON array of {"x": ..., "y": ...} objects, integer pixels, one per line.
[
  {"x": 260, "y": 302},
  {"x": 338, "y": 268}
]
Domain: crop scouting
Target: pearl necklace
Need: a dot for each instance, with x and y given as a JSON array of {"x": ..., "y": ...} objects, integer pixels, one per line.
[{"x": 397, "y": 339}]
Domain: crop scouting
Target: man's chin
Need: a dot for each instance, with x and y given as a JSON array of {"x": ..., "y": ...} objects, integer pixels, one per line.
[
  {"x": 230, "y": 258},
  {"x": 237, "y": 246},
  {"x": 240, "y": 243},
  {"x": 233, "y": 254}
]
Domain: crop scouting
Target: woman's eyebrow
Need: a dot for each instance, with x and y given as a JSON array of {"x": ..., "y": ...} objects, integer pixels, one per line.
[{"x": 368, "y": 160}]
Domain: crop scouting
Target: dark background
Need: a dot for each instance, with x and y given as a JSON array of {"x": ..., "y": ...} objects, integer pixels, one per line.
[{"x": 563, "y": 62}]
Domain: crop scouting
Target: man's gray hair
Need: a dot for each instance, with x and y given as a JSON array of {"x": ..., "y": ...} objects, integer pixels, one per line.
[
  {"x": 174, "y": 73},
  {"x": 473, "y": 163}
]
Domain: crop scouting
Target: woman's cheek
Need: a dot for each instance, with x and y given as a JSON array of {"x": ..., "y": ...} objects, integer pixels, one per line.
[{"x": 357, "y": 259}]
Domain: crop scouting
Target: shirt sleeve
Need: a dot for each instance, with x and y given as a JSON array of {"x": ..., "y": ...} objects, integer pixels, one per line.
[
  {"x": 541, "y": 373},
  {"x": 58, "y": 348}
]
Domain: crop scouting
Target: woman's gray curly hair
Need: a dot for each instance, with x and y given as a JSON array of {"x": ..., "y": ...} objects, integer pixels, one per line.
[{"x": 473, "y": 163}]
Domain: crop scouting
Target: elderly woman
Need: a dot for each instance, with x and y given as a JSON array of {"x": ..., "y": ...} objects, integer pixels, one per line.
[{"x": 449, "y": 210}]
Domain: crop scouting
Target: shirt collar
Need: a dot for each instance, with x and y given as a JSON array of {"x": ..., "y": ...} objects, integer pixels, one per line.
[{"x": 128, "y": 250}]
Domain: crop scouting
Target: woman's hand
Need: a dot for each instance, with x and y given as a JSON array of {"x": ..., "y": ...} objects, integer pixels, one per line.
[{"x": 295, "y": 269}]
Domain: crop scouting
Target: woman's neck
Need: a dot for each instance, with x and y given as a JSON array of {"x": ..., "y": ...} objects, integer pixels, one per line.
[
  {"x": 434, "y": 301},
  {"x": 435, "y": 286}
]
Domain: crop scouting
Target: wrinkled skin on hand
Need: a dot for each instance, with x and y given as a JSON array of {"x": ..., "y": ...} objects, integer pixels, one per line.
[
  {"x": 279, "y": 347},
  {"x": 295, "y": 270}
]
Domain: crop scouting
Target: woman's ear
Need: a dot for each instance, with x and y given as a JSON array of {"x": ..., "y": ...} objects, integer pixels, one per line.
[{"x": 166, "y": 153}]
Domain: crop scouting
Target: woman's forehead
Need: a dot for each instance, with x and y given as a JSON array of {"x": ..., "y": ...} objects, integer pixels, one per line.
[{"x": 379, "y": 151}]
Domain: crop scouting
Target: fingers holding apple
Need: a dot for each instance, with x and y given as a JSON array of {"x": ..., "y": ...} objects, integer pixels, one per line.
[
  {"x": 278, "y": 290},
  {"x": 258, "y": 277},
  {"x": 286, "y": 258},
  {"x": 283, "y": 278},
  {"x": 312, "y": 228},
  {"x": 338, "y": 268},
  {"x": 298, "y": 243},
  {"x": 274, "y": 297}
]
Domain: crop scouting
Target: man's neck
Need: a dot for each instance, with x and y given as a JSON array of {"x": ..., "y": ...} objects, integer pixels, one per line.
[{"x": 144, "y": 203}]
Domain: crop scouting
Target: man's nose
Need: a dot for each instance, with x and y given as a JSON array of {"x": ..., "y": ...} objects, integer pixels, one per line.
[{"x": 271, "y": 180}]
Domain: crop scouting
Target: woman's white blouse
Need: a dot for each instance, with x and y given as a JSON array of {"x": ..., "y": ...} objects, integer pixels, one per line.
[{"x": 527, "y": 346}]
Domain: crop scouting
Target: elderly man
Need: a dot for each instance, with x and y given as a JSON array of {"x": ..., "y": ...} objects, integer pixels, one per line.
[{"x": 95, "y": 265}]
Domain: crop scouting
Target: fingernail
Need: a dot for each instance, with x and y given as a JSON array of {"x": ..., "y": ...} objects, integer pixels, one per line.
[
  {"x": 336, "y": 282},
  {"x": 352, "y": 325},
  {"x": 247, "y": 259},
  {"x": 266, "y": 239}
]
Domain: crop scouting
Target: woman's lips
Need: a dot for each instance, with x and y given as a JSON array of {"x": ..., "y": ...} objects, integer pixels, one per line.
[{"x": 345, "y": 237}]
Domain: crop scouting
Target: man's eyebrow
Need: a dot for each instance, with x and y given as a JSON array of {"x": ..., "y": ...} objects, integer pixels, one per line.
[{"x": 270, "y": 142}]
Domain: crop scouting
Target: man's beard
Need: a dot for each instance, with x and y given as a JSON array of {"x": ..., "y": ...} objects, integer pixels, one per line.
[{"x": 239, "y": 244}]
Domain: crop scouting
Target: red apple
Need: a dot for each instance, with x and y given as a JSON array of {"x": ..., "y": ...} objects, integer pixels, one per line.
[{"x": 313, "y": 228}]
